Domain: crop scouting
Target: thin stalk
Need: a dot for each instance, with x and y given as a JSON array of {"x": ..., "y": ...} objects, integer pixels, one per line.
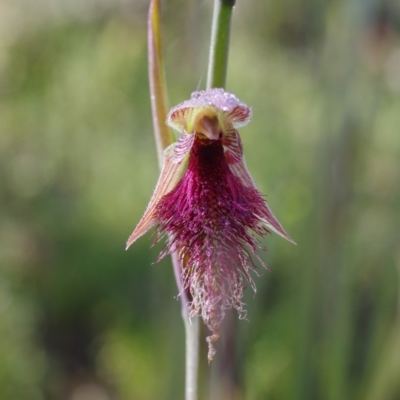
[
  {"x": 164, "y": 137},
  {"x": 191, "y": 334},
  {"x": 192, "y": 357},
  {"x": 219, "y": 48},
  {"x": 158, "y": 88}
]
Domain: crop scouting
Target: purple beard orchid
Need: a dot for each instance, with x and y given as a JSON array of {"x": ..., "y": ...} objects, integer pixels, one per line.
[{"x": 208, "y": 205}]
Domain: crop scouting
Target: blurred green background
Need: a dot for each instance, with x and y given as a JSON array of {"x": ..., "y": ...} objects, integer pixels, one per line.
[{"x": 82, "y": 319}]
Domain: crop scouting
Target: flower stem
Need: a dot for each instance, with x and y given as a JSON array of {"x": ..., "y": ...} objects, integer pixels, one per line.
[
  {"x": 158, "y": 88},
  {"x": 192, "y": 357},
  {"x": 191, "y": 334},
  {"x": 219, "y": 48},
  {"x": 164, "y": 137}
]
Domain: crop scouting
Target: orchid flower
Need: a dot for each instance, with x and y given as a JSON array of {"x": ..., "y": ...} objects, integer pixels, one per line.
[{"x": 209, "y": 207}]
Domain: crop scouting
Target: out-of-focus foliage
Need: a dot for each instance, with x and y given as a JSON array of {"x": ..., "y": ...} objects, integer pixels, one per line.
[{"x": 80, "y": 318}]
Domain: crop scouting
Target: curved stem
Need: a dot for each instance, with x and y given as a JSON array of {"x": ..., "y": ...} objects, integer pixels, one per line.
[
  {"x": 158, "y": 88},
  {"x": 164, "y": 138}
]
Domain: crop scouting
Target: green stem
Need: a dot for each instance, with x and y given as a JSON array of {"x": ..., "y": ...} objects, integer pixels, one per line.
[
  {"x": 164, "y": 137},
  {"x": 158, "y": 88},
  {"x": 191, "y": 335},
  {"x": 219, "y": 48},
  {"x": 192, "y": 357}
]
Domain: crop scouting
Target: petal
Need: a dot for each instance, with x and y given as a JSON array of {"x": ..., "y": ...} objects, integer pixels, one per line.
[
  {"x": 241, "y": 171},
  {"x": 229, "y": 110},
  {"x": 171, "y": 173},
  {"x": 183, "y": 147},
  {"x": 233, "y": 146},
  {"x": 240, "y": 115},
  {"x": 268, "y": 219}
]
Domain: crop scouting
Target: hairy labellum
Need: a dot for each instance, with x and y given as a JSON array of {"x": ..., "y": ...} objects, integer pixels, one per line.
[
  {"x": 209, "y": 207},
  {"x": 210, "y": 215}
]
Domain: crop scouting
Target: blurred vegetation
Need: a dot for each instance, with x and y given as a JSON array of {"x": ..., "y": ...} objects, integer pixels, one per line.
[{"x": 82, "y": 319}]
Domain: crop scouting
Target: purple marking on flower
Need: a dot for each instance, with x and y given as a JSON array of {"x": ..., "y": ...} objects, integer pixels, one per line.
[{"x": 209, "y": 207}]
